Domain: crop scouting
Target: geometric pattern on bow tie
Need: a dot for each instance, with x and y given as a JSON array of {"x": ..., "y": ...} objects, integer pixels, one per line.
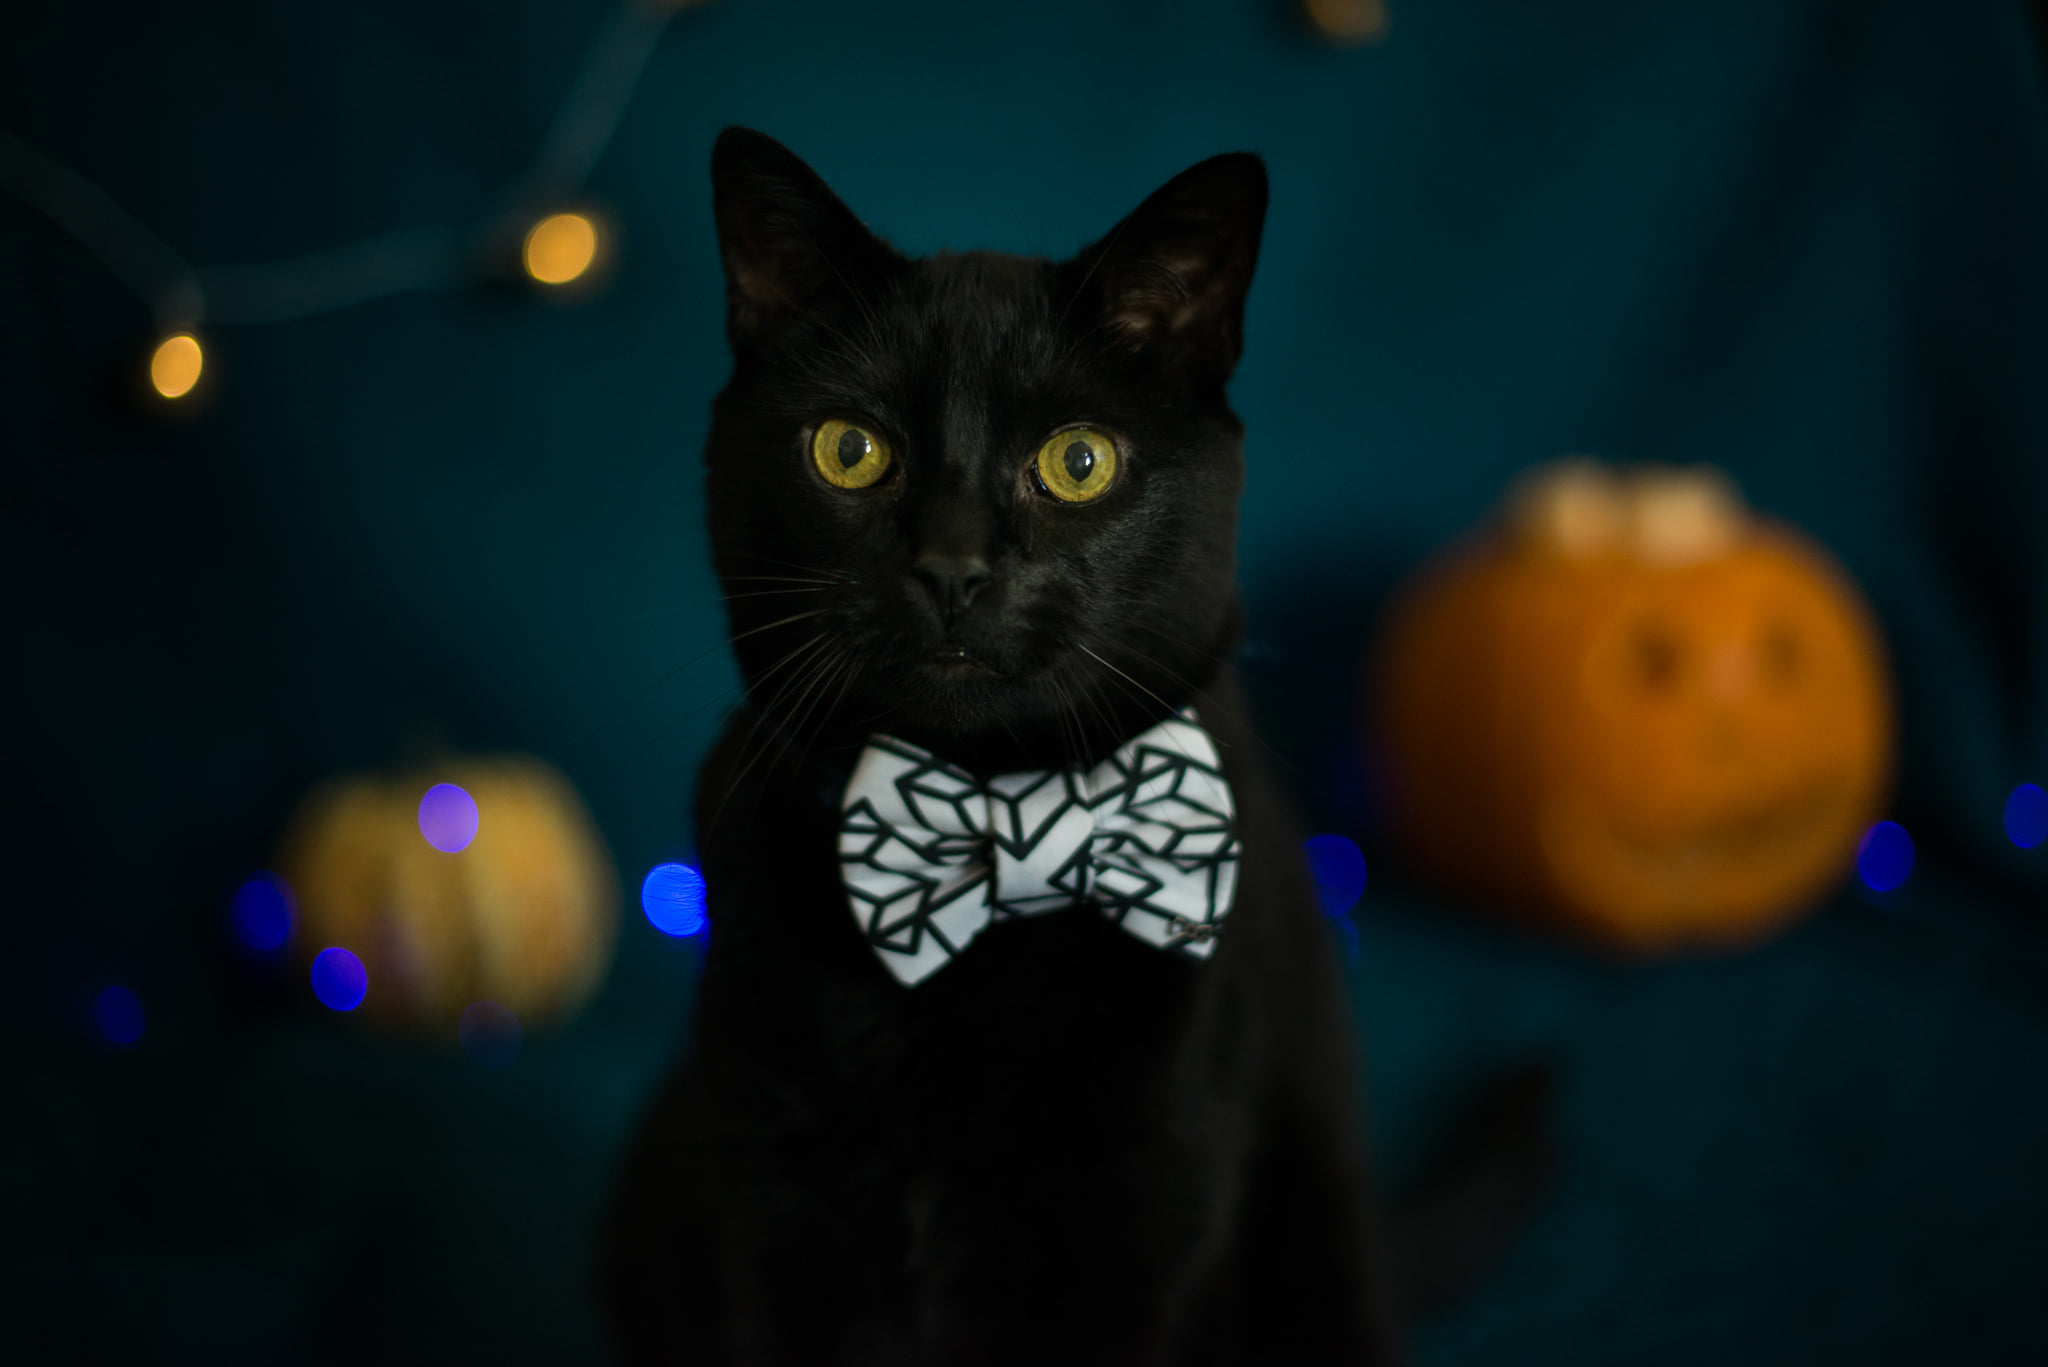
[{"x": 931, "y": 856}]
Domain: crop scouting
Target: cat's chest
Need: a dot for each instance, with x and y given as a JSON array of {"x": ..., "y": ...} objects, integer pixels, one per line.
[
  {"x": 1039, "y": 1014},
  {"x": 1037, "y": 1008}
]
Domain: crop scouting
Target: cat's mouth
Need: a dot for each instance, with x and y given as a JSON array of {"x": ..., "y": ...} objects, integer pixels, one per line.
[{"x": 952, "y": 662}]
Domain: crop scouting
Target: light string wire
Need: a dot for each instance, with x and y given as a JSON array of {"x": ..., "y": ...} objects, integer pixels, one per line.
[{"x": 408, "y": 260}]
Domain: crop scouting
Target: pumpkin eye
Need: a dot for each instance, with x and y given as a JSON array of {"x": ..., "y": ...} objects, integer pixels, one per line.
[
  {"x": 1077, "y": 465},
  {"x": 848, "y": 455},
  {"x": 1782, "y": 654},
  {"x": 1655, "y": 654}
]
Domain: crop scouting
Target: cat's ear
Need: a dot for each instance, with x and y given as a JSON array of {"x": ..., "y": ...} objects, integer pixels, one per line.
[
  {"x": 1173, "y": 275},
  {"x": 789, "y": 244}
]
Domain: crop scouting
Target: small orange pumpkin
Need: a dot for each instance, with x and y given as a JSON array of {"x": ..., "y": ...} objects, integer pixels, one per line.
[
  {"x": 522, "y": 914},
  {"x": 1635, "y": 712}
]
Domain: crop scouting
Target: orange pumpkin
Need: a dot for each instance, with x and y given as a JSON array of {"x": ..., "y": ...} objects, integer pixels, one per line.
[
  {"x": 1635, "y": 712},
  {"x": 523, "y": 913}
]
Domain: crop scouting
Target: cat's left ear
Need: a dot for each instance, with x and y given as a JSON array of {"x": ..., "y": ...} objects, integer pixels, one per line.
[{"x": 1173, "y": 276}]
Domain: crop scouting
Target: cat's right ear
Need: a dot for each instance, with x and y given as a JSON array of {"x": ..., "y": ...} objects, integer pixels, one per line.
[
  {"x": 789, "y": 244},
  {"x": 1172, "y": 277}
]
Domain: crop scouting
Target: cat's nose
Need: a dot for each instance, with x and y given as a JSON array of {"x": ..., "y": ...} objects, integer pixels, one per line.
[{"x": 952, "y": 579}]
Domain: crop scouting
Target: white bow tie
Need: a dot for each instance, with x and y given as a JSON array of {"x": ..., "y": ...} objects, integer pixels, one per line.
[{"x": 932, "y": 856}]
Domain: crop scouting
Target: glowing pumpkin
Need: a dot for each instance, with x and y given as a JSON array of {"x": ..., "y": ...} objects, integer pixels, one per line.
[
  {"x": 522, "y": 913},
  {"x": 1636, "y": 712}
]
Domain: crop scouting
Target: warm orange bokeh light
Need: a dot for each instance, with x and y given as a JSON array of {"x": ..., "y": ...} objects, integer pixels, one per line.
[
  {"x": 1348, "y": 21},
  {"x": 175, "y": 367},
  {"x": 560, "y": 248}
]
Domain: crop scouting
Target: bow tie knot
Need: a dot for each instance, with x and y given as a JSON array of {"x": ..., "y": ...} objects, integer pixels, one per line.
[{"x": 932, "y": 856}]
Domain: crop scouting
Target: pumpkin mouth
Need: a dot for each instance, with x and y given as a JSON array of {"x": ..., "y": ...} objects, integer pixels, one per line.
[
  {"x": 1709, "y": 882},
  {"x": 1774, "y": 829}
]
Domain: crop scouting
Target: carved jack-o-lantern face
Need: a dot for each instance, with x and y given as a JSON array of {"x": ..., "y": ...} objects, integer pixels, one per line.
[{"x": 1643, "y": 714}]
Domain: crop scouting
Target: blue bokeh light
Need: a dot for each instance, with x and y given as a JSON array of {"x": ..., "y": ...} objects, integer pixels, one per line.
[
  {"x": 1338, "y": 868},
  {"x": 448, "y": 818},
  {"x": 118, "y": 1013},
  {"x": 339, "y": 979},
  {"x": 264, "y": 911},
  {"x": 2026, "y": 816},
  {"x": 490, "y": 1034},
  {"x": 1347, "y": 936},
  {"x": 1885, "y": 856},
  {"x": 672, "y": 895}
]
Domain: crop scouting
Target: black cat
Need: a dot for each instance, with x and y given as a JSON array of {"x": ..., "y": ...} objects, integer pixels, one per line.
[{"x": 986, "y": 505}]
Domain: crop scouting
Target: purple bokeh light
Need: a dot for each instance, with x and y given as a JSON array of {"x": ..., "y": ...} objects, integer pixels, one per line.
[{"x": 448, "y": 818}]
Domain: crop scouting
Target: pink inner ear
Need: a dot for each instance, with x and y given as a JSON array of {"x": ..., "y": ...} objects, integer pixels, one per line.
[
  {"x": 1152, "y": 301},
  {"x": 1175, "y": 272},
  {"x": 756, "y": 293},
  {"x": 1162, "y": 294}
]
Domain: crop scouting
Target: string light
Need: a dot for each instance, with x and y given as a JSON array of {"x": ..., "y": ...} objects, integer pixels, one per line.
[
  {"x": 411, "y": 259},
  {"x": 175, "y": 365},
  {"x": 560, "y": 248},
  {"x": 1347, "y": 21}
]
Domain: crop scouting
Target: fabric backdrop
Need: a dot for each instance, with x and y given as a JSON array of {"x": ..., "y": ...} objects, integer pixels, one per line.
[{"x": 1802, "y": 239}]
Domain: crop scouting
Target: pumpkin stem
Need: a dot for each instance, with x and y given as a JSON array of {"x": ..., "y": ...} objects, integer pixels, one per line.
[
  {"x": 1579, "y": 509},
  {"x": 1571, "y": 508},
  {"x": 1683, "y": 516}
]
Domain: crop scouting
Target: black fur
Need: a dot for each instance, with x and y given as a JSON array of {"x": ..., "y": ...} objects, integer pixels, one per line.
[{"x": 1066, "y": 1146}]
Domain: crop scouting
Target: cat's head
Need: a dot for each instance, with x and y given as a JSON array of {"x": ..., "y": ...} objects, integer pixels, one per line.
[{"x": 982, "y": 502}]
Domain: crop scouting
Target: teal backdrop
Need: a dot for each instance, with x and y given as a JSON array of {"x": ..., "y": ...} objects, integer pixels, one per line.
[{"x": 1806, "y": 240}]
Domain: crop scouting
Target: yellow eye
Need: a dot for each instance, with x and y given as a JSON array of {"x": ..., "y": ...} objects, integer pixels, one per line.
[
  {"x": 1077, "y": 465},
  {"x": 848, "y": 455}
]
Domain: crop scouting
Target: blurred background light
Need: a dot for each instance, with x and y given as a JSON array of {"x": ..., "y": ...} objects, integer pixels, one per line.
[
  {"x": 1338, "y": 868},
  {"x": 490, "y": 1034},
  {"x": 1347, "y": 936},
  {"x": 2026, "y": 816},
  {"x": 1347, "y": 21},
  {"x": 448, "y": 818},
  {"x": 118, "y": 1014},
  {"x": 1885, "y": 856},
  {"x": 264, "y": 911},
  {"x": 560, "y": 248},
  {"x": 339, "y": 979},
  {"x": 174, "y": 367},
  {"x": 672, "y": 895}
]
